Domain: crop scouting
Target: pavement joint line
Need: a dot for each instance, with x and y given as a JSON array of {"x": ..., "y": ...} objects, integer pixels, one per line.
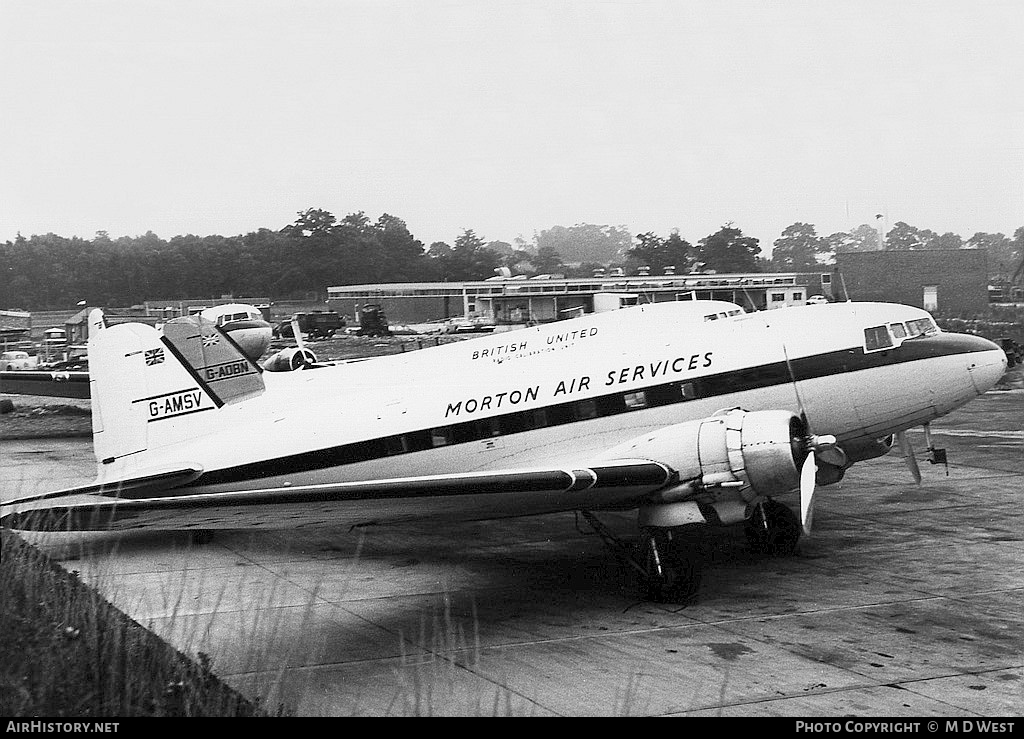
[{"x": 924, "y": 597}]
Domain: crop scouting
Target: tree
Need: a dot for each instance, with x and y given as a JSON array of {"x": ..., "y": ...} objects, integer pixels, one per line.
[
  {"x": 1001, "y": 253},
  {"x": 311, "y": 221},
  {"x": 586, "y": 242},
  {"x": 948, "y": 240},
  {"x": 658, "y": 253},
  {"x": 903, "y": 237},
  {"x": 469, "y": 259},
  {"x": 728, "y": 250},
  {"x": 547, "y": 261},
  {"x": 1017, "y": 257},
  {"x": 798, "y": 249},
  {"x": 863, "y": 238}
]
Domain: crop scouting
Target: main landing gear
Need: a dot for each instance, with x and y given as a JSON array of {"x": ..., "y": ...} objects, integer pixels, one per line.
[
  {"x": 774, "y": 529},
  {"x": 669, "y": 567},
  {"x": 669, "y": 561}
]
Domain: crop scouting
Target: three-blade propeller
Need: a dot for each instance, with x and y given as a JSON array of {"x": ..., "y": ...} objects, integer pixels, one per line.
[
  {"x": 815, "y": 445},
  {"x": 908, "y": 455}
]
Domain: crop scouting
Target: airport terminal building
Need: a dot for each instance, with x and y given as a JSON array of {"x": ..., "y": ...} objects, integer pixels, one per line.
[{"x": 545, "y": 298}]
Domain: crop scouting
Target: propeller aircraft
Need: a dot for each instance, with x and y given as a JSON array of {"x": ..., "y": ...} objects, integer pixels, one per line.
[{"x": 690, "y": 413}]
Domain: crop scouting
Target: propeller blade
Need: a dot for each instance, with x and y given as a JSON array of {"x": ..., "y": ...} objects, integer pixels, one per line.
[
  {"x": 908, "y": 455},
  {"x": 807, "y": 473},
  {"x": 297, "y": 334}
]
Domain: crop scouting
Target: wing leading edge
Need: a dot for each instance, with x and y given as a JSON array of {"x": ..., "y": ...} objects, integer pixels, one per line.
[{"x": 93, "y": 507}]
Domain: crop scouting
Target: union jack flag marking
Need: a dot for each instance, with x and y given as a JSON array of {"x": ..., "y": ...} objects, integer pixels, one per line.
[
  {"x": 210, "y": 339},
  {"x": 154, "y": 356}
]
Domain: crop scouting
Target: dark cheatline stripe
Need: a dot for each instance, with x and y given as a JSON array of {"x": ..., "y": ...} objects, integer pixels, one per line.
[
  {"x": 192, "y": 371},
  {"x": 773, "y": 374}
]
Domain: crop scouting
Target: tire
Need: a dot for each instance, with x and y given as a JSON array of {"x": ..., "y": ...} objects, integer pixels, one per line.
[{"x": 782, "y": 534}]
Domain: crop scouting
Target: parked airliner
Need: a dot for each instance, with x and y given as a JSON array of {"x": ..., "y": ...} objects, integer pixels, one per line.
[{"x": 691, "y": 412}]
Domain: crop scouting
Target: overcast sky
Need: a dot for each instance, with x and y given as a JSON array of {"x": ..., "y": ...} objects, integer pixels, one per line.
[{"x": 510, "y": 116}]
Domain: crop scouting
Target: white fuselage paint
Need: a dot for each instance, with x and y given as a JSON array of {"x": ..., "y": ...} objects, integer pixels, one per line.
[{"x": 584, "y": 358}]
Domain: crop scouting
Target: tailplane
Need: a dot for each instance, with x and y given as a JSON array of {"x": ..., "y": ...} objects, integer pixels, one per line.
[{"x": 150, "y": 389}]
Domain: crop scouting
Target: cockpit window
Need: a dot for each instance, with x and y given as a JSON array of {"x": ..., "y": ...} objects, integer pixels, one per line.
[
  {"x": 723, "y": 314},
  {"x": 899, "y": 331},
  {"x": 921, "y": 326},
  {"x": 877, "y": 337}
]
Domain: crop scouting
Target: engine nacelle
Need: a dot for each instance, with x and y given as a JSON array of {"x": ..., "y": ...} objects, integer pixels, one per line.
[
  {"x": 754, "y": 452},
  {"x": 860, "y": 449},
  {"x": 288, "y": 360}
]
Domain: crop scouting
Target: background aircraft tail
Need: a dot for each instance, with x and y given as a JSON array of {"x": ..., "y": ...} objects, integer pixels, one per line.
[{"x": 150, "y": 389}]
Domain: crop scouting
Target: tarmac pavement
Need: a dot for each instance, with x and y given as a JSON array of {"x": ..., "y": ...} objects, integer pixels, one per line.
[{"x": 906, "y": 601}]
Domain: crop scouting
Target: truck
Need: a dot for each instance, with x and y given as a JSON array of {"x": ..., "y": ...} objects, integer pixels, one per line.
[
  {"x": 1014, "y": 350},
  {"x": 318, "y": 324},
  {"x": 372, "y": 321}
]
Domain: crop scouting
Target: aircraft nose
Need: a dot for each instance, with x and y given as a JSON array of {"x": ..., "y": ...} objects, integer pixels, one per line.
[{"x": 986, "y": 364}]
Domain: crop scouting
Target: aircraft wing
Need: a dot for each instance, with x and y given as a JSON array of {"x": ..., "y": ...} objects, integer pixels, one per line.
[
  {"x": 157, "y": 501},
  {"x": 55, "y": 383}
]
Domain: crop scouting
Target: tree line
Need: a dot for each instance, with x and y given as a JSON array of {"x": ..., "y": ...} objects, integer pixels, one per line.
[{"x": 318, "y": 250}]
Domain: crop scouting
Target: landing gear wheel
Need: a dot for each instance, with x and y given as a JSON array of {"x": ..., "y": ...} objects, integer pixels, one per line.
[
  {"x": 671, "y": 572},
  {"x": 774, "y": 529}
]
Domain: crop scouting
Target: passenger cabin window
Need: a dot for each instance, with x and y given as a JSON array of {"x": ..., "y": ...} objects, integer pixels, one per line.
[
  {"x": 899, "y": 331},
  {"x": 877, "y": 338},
  {"x": 635, "y": 400}
]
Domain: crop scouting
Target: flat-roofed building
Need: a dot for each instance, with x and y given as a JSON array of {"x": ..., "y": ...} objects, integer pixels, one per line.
[{"x": 545, "y": 298}]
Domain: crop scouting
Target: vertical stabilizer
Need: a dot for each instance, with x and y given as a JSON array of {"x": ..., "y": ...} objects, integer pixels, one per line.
[
  {"x": 151, "y": 389},
  {"x": 214, "y": 359}
]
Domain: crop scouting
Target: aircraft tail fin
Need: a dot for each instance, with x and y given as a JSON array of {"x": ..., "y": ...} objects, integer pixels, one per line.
[{"x": 150, "y": 389}]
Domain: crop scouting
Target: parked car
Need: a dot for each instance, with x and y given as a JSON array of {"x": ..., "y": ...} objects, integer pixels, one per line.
[{"x": 14, "y": 361}]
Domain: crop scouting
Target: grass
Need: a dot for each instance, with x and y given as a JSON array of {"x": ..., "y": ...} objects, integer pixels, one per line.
[{"x": 65, "y": 651}]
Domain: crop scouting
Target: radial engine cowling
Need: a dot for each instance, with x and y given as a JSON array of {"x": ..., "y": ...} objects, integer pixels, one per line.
[
  {"x": 290, "y": 359},
  {"x": 756, "y": 452}
]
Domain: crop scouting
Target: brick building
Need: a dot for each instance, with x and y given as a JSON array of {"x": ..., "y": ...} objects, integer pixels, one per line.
[{"x": 950, "y": 281}]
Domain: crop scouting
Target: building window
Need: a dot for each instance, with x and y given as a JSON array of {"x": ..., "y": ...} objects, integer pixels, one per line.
[
  {"x": 931, "y": 297},
  {"x": 778, "y": 297},
  {"x": 798, "y": 296}
]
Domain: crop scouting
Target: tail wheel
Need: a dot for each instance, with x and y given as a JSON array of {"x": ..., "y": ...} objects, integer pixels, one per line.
[{"x": 774, "y": 529}]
